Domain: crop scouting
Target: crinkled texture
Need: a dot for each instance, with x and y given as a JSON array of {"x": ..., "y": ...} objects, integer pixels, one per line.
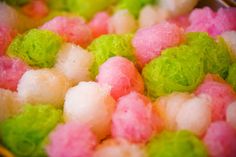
[
  {"x": 230, "y": 39},
  {"x": 216, "y": 55},
  {"x": 8, "y": 16},
  {"x": 90, "y": 103},
  {"x": 26, "y": 133},
  {"x": 74, "y": 62},
  {"x": 149, "y": 42},
  {"x": 107, "y": 46},
  {"x": 78, "y": 33},
  {"x": 121, "y": 75},
  {"x": 71, "y": 140},
  {"x": 36, "y": 9},
  {"x": 119, "y": 148},
  {"x": 231, "y": 114},
  {"x": 176, "y": 144},
  {"x": 231, "y": 78},
  {"x": 11, "y": 70},
  {"x": 178, "y": 69},
  {"x": 99, "y": 24},
  {"x": 220, "y": 140},
  {"x": 6, "y": 36},
  {"x": 36, "y": 47},
  {"x": 134, "y": 118},
  {"x": 43, "y": 86},
  {"x": 220, "y": 93}
]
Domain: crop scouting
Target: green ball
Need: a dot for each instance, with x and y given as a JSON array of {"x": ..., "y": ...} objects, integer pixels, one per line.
[
  {"x": 36, "y": 47},
  {"x": 232, "y": 76},
  {"x": 26, "y": 133},
  {"x": 107, "y": 46},
  {"x": 178, "y": 69},
  {"x": 216, "y": 55},
  {"x": 176, "y": 144}
]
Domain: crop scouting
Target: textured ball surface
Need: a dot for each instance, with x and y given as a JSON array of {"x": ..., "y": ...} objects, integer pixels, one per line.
[{"x": 232, "y": 75}]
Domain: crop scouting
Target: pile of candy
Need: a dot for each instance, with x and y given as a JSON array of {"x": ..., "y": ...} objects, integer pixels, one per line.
[{"x": 117, "y": 78}]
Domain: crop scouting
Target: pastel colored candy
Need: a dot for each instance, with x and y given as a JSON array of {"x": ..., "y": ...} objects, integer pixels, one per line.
[
  {"x": 231, "y": 114},
  {"x": 6, "y": 36}
]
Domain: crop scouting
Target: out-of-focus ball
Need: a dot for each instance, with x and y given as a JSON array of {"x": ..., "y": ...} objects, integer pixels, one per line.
[
  {"x": 230, "y": 39},
  {"x": 231, "y": 114}
]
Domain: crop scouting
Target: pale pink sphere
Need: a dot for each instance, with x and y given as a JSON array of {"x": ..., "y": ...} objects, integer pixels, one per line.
[
  {"x": 71, "y": 140},
  {"x": 220, "y": 93},
  {"x": 121, "y": 75},
  {"x": 134, "y": 118},
  {"x": 99, "y": 24},
  {"x": 220, "y": 140},
  {"x": 149, "y": 42},
  {"x": 11, "y": 71},
  {"x": 72, "y": 29},
  {"x": 6, "y": 36}
]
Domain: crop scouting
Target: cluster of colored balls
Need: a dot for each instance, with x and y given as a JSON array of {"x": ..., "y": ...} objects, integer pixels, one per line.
[{"x": 117, "y": 78}]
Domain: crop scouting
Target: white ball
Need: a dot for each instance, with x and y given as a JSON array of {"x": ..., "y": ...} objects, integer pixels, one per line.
[
  {"x": 195, "y": 115},
  {"x": 8, "y": 15},
  {"x": 43, "y": 86},
  {"x": 74, "y": 62},
  {"x": 90, "y": 103},
  {"x": 230, "y": 39},
  {"x": 231, "y": 114},
  {"x": 122, "y": 22}
]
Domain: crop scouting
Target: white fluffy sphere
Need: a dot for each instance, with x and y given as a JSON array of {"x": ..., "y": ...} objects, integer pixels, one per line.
[{"x": 231, "y": 114}]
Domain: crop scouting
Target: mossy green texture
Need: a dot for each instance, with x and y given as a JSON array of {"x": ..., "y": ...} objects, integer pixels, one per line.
[
  {"x": 231, "y": 78},
  {"x": 36, "y": 47},
  {"x": 176, "y": 144},
  {"x": 178, "y": 69},
  {"x": 25, "y": 134},
  {"x": 108, "y": 46}
]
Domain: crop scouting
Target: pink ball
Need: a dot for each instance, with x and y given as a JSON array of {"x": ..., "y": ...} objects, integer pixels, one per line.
[
  {"x": 149, "y": 42},
  {"x": 99, "y": 24},
  {"x": 72, "y": 29},
  {"x": 134, "y": 118},
  {"x": 71, "y": 140},
  {"x": 6, "y": 36},
  {"x": 121, "y": 75},
  {"x": 221, "y": 94},
  {"x": 181, "y": 21},
  {"x": 220, "y": 140},
  {"x": 11, "y": 71},
  {"x": 36, "y": 9}
]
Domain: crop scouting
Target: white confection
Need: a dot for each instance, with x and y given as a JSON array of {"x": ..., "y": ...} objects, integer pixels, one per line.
[
  {"x": 231, "y": 114},
  {"x": 8, "y": 15},
  {"x": 43, "y": 86},
  {"x": 90, "y": 103},
  {"x": 230, "y": 39},
  {"x": 74, "y": 62}
]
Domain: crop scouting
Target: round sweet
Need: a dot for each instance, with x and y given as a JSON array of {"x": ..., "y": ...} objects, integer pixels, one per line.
[
  {"x": 11, "y": 70},
  {"x": 71, "y": 139},
  {"x": 232, "y": 75},
  {"x": 99, "y": 24},
  {"x": 180, "y": 21},
  {"x": 26, "y": 136},
  {"x": 6, "y": 36},
  {"x": 90, "y": 103},
  {"x": 74, "y": 62},
  {"x": 176, "y": 144},
  {"x": 221, "y": 94},
  {"x": 8, "y": 15},
  {"x": 231, "y": 114},
  {"x": 36, "y": 47},
  {"x": 169, "y": 107},
  {"x": 43, "y": 86},
  {"x": 121, "y": 75},
  {"x": 230, "y": 39},
  {"x": 178, "y": 69},
  {"x": 119, "y": 148},
  {"x": 79, "y": 33},
  {"x": 220, "y": 140},
  {"x": 149, "y": 42},
  {"x": 122, "y": 22},
  {"x": 134, "y": 118},
  {"x": 195, "y": 115},
  {"x": 107, "y": 46}
]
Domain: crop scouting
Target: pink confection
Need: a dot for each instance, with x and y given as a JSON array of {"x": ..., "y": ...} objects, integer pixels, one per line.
[
  {"x": 6, "y": 36},
  {"x": 99, "y": 24},
  {"x": 221, "y": 94},
  {"x": 220, "y": 140},
  {"x": 121, "y": 75},
  {"x": 180, "y": 21},
  {"x": 149, "y": 42},
  {"x": 206, "y": 20},
  {"x": 71, "y": 140},
  {"x": 72, "y": 29},
  {"x": 36, "y": 9},
  {"x": 134, "y": 118},
  {"x": 11, "y": 71}
]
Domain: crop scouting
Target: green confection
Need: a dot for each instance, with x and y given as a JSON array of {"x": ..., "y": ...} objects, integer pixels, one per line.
[
  {"x": 176, "y": 144},
  {"x": 16, "y": 2},
  {"x": 36, "y": 47},
  {"x": 26, "y": 133},
  {"x": 232, "y": 76},
  {"x": 177, "y": 69},
  {"x": 57, "y": 4},
  {"x": 216, "y": 55},
  {"x": 108, "y": 46}
]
